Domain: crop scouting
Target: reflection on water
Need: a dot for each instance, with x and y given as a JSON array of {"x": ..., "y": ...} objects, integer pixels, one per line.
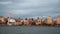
[{"x": 29, "y": 30}]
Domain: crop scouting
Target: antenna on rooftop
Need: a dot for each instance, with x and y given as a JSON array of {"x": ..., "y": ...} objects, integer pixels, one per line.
[{"x": 9, "y": 14}]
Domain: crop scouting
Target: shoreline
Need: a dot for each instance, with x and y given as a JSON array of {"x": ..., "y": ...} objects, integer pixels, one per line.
[{"x": 31, "y": 25}]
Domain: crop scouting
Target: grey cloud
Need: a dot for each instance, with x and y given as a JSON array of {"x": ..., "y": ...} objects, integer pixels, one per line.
[{"x": 29, "y": 8}]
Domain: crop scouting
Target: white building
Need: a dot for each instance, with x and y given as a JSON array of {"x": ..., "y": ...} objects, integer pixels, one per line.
[{"x": 11, "y": 21}]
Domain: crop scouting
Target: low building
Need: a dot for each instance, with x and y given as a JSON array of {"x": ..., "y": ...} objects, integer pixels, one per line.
[
  {"x": 18, "y": 22},
  {"x": 26, "y": 21},
  {"x": 44, "y": 22},
  {"x": 38, "y": 21},
  {"x": 2, "y": 20},
  {"x": 58, "y": 20},
  {"x": 11, "y": 21},
  {"x": 30, "y": 21},
  {"x": 49, "y": 20}
]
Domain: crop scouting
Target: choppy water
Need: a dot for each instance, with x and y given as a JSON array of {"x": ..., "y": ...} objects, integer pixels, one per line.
[{"x": 29, "y": 30}]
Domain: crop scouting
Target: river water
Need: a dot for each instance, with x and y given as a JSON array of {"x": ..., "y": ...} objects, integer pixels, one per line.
[{"x": 29, "y": 30}]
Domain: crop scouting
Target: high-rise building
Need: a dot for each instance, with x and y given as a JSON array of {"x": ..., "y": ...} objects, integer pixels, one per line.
[
  {"x": 49, "y": 20},
  {"x": 58, "y": 20},
  {"x": 10, "y": 20}
]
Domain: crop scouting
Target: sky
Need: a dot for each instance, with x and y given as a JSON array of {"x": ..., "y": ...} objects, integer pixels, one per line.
[{"x": 30, "y": 8}]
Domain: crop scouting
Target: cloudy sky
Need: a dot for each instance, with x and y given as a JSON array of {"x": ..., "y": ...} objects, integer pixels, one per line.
[{"x": 30, "y": 8}]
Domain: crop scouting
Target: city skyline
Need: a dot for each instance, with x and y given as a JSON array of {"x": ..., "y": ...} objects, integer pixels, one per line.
[{"x": 30, "y": 8}]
